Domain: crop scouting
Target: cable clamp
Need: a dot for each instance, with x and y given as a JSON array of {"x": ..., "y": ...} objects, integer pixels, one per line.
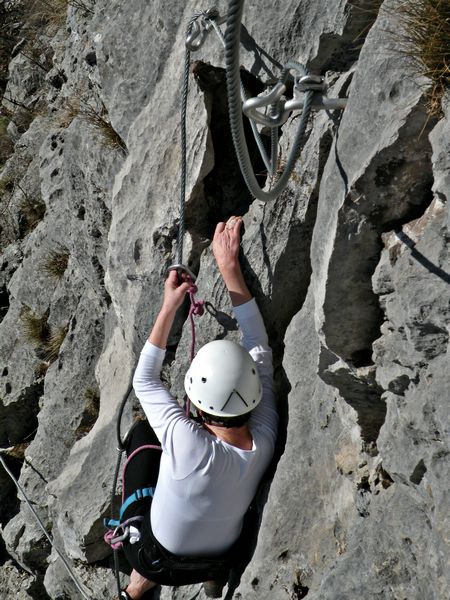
[{"x": 306, "y": 83}]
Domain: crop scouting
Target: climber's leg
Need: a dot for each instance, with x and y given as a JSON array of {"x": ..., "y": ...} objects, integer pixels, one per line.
[
  {"x": 138, "y": 586},
  {"x": 141, "y": 472}
]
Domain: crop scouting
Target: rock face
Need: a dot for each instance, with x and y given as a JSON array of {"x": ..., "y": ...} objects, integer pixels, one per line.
[{"x": 350, "y": 266}]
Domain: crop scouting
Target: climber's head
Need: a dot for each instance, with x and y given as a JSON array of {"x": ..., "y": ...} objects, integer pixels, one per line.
[{"x": 223, "y": 383}]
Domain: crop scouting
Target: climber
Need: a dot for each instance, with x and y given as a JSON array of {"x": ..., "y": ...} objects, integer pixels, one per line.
[{"x": 209, "y": 470}]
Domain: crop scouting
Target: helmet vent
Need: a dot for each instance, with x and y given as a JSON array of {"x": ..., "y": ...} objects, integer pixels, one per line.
[
  {"x": 253, "y": 371},
  {"x": 211, "y": 408},
  {"x": 204, "y": 379},
  {"x": 190, "y": 379}
]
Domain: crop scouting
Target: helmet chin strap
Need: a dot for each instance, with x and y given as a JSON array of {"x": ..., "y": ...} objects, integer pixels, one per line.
[
  {"x": 230, "y": 422},
  {"x": 207, "y": 420}
]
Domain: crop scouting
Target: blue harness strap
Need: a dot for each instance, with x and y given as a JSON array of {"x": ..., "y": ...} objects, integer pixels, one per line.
[
  {"x": 137, "y": 495},
  {"x": 111, "y": 523}
]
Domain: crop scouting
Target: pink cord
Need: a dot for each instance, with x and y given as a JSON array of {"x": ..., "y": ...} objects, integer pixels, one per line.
[
  {"x": 108, "y": 537},
  {"x": 133, "y": 454}
]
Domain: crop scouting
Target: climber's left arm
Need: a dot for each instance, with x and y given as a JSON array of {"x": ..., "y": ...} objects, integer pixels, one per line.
[
  {"x": 172, "y": 426},
  {"x": 174, "y": 294}
]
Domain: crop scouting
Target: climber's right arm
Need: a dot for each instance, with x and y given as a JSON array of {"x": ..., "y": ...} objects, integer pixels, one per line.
[{"x": 226, "y": 244}]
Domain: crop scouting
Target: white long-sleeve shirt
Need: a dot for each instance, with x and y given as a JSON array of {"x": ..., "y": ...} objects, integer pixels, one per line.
[{"x": 205, "y": 485}]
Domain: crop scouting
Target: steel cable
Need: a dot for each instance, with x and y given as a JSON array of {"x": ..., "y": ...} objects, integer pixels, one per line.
[
  {"x": 232, "y": 41},
  {"x": 42, "y": 527},
  {"x": 184, "y": 95},
  {"x": 113, "y": 497}
]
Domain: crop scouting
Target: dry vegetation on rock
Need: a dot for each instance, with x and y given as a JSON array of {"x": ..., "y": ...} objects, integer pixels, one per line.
[
  {"x": 97, "y": 121},
  {"x": 35, "y": 327},
  {"x": 18, "y": 216},
  {"x": 52, "y": 13},
  {"x": 37, "y": 331},
  {"x": 54, "y": 343},
  {"x": 426, "y": 39},
  {"x": 90, "y": 412},
  {"x": 6, "y": 143},
  {"x": 31, "y": 212},
  {"x": 55, "y": 263}
]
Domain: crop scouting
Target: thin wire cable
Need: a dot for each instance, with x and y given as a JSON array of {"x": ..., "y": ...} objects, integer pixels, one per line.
[
  {"x": 273, "y": 143},
  {"x": 41, "y": 525},
  {"x": 120, "y": 451},
  {"x": 184, "y": 96},
  {"x": 121, "y": 443},
  {"x": 269, "y": 164},
  {"x": 244, "y": 97}
]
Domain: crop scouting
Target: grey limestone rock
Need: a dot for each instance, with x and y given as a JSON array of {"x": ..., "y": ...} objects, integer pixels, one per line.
[{"x": 349, "y": 265}]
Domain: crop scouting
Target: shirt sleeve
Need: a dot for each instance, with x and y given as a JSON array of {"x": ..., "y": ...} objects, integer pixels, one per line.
[
  {"x": 168, "y": 420},
  {"x": 255, "y": 341}
]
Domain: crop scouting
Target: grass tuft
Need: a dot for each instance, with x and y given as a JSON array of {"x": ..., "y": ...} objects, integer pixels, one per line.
[
  {"x": 48, "y": 13},
  {"x": 6, "y": 220},
  {"x": 90, "y": 412},
  {"x": 35, "y": 327},
  {"x": 32, "y": 211},
  {"x": 53, "y": 13},
  {"x": 426, "y": 40},
  {"x": 96, "y": 121},
  {"x": 48, "y": 340},
  {"x": 41, "y": 370},
  {"x": 55, "y": 263},
  {"x": 6, "y": 143},
  {"x": 54, "y": 343},
  {"x": 6, "y": 185}
]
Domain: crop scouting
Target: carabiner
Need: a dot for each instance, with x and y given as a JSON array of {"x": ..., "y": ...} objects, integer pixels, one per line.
[
  {"x": 197, "y": 31},
  {"x": 202, "y": 26}
]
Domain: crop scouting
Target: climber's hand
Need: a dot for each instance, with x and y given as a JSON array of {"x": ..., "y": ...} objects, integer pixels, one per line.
[
  {"x": 226, "y": 241},
  {"x": 225, "y": 247},
  {"x": 174, "y": 292}
]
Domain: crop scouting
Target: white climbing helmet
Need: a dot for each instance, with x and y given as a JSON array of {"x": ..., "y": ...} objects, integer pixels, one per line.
[{"x": 223, "y": 380}]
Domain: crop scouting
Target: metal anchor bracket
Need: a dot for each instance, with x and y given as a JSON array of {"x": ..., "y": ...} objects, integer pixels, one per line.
[
  {"x": 310, "y": 82},
  {"x": 250, "y": 107},
  {"x": 201, "y": 27},
  {"x": 306, "y": 83},
  {"x": 319, "y": 102}
]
